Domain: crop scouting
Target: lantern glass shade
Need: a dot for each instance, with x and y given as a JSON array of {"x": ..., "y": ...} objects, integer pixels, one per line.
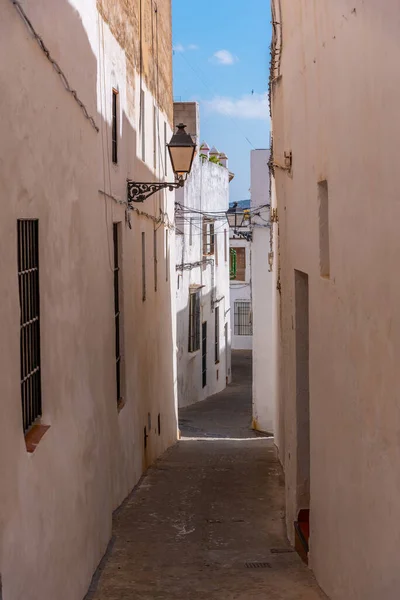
[{"x": 181, "y": 151}]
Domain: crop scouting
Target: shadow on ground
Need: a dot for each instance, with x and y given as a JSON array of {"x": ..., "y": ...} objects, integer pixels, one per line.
[
  {"x": 207, "y": 520},
  {"x": 227, "y": 414}
]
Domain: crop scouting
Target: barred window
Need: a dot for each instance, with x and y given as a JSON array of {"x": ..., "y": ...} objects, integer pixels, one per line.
[
  {"x": 29, "y": 299},
  {"x": 243, "y": 321},
  {"x": 194, "y": 321},
  {"x": 208, "y": 237},
  {"x": 216, "y": 334}
]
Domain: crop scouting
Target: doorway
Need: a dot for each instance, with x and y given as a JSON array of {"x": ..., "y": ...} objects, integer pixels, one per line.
[
  {"x": 204, "y": 353},
  {"x": 302, "y": 351}
]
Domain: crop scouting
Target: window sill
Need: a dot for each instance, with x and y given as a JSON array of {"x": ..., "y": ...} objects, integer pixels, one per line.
[{"x": 34, "y": 436}]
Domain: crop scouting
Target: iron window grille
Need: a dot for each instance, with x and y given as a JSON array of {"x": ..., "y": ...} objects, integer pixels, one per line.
[
  {"x": 29, "y": 299},
  {"x": 155, "y": 251},
  {"x": 143, "y": 267},
  {"x": 194, "y": 321},
  {"x": 117, "y": 309},
  {"x": 114, "y": 132},
  {"x": 208, "y": 237},
  {"x": 204, "y": 354},
  {"x": 216, "y": 334},
  {"x": 242, "y": 318}
]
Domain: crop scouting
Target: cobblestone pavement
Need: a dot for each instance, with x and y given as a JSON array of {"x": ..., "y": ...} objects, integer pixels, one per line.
[{"x": 206, "y": 522}]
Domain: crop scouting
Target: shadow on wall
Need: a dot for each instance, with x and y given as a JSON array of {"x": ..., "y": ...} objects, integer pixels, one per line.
[
  {"x": 190, "y": 364},
  {"x": 92, "y": 456}
]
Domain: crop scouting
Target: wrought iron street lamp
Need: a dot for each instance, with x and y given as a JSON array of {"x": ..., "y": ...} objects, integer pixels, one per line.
[{"x": 181, "y": 152}]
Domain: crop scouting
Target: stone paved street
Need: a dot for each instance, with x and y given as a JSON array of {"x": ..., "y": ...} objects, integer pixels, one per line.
[{"x": 206, "y": 522}]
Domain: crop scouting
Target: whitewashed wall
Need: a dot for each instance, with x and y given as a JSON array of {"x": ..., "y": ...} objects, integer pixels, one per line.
[
  {"x": 241, "y": 290},
  {"x": 207, "y": 189},
  {"x": 335, "y": 106},
  {"x": 262, "y": 287},
  {"x": 56, "y": 504}
]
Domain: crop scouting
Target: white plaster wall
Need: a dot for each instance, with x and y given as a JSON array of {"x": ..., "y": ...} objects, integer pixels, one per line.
[
  {"x": 56, "y": 505},
  {"x": 262, "y": 288},
  {"x": 241, "y": 290},
  {"x": 207, "y": 189},
  {"x": 336, "y": 107}
]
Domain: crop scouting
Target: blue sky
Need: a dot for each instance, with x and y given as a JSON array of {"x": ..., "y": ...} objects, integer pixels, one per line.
[{"x": 221, "y": 59}]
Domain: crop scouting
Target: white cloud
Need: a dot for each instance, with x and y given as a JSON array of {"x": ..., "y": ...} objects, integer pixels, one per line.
[
  {"x": 224, "y": 57},
  {"x": 252, "y": 106},
  {"x": 181, "y": 48},
  {"x": 178, "y": 48}
]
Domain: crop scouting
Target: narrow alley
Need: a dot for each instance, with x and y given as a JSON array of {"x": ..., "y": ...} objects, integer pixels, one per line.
[{"x": 207, "y": 518}]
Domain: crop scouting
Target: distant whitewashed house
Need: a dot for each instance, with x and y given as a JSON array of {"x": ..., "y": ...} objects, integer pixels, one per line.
[
  {"x": 202, "y": 271},
  {"x": 251, "y": 287},
  {"x": 262, "y": 294},
  {"x": 240, "y": 275}
]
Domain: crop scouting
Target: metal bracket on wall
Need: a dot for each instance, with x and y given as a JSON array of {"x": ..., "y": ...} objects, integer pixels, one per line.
[
  {"x": 274, "y": 215},
  {"x": 288, "y": 157},
  {"x": 140, "y": 191}
]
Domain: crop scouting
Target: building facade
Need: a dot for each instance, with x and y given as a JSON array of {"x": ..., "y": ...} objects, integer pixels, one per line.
[
  {"x": 202, "y": 272},
  {"x": 240, "y": 249},
  {"x": 262, "y": 294},
  {"x": 88, "y": 378},
  {"x": 335, "y": 95}
]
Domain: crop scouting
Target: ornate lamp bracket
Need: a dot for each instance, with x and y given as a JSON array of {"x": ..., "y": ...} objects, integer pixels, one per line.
[{"x": 139, "y": 191}]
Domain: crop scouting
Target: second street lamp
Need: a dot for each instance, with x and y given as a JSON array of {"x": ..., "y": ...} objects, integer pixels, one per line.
[{"x": 182, "y": 150}]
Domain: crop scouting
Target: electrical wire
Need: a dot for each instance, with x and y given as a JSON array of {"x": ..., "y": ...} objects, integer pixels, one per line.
[{"x": 163, "y": 219}]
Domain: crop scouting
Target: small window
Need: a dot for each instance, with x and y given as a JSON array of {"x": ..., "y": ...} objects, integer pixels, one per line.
[
  {"x": 243, "y": 324},
  {"x": 142, "y": 124},
  {"x": 117, "y": 307},
  {"x": 155, "y": 126},
  {"x": 208, "y": 237},
  {"x": 114, "y": 133},
  {"x": 238, "y": 264},
  {"x": 217, "y": 335},
  {"x": 29, "y": 299},
  {"x": 191, "y": 232},
  {"x": 166, "y": 255},
  {"x": 323, "y": 200},
  {"x": 155, "y": 250},
  {"x": 194, "y": 321},
  {"x": 143, "y": 266},
  {"x": 165, "y": 150}
]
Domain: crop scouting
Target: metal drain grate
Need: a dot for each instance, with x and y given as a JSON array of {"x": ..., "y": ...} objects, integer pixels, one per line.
[{"x": 257, "y": 565}]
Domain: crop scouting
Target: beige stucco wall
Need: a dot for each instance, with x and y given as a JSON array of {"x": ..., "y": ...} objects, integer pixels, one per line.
[
  {"x": 56, "y": 504},
  {"x": 335, "y": 106}
]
